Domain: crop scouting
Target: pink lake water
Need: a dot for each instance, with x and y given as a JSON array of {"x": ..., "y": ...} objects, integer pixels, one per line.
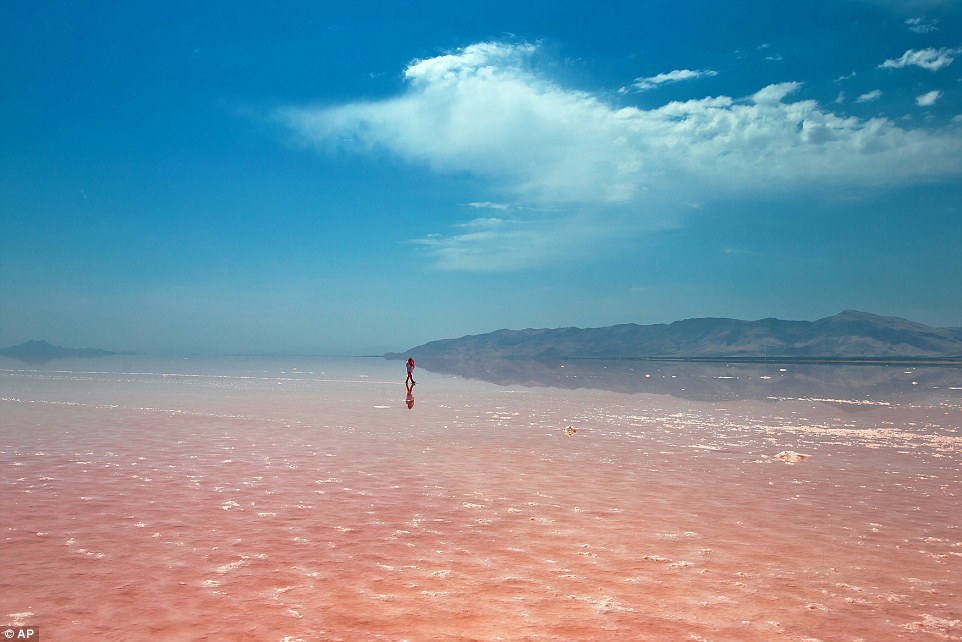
[{"x": 301, "y": 499}]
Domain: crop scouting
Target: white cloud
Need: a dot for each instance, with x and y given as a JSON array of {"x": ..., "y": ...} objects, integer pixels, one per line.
[
  {"x": 931, "y": 59},
  {"x": 651, "y": 82},
  {"x": 579, "y": 167},
  {"x": 489, "y": 223},
  {"x": 773, "y": 94},
  {"x": 496, "y": 245},
  {"x": 489, "y": 205},
  {"x": 928, "y": 99},
  {"x": 922, "y": 25},
  {"x": 869, "y": 97}
]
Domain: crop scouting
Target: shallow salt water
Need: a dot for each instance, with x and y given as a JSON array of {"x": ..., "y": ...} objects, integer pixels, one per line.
[{"x": 301, "y": 499}]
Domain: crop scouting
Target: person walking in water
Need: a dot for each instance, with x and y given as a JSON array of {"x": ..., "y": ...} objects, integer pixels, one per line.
[{"x": 410, "y": 372}]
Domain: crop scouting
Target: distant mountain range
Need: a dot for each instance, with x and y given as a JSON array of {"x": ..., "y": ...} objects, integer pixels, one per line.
[
  {"x": 851, "y": 335},
  {"x": 42, "y": 352}
]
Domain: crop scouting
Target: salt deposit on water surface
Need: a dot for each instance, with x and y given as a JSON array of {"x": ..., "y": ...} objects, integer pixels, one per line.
[{"x": 250, "y": 499}]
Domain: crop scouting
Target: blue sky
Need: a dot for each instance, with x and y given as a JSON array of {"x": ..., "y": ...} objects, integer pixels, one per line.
[{"x": 303, "y": 177}]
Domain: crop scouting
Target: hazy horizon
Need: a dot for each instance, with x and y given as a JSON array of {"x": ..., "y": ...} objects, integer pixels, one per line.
[
  {"x": 296, "y": 179},
  {"x": 370, "y": 351}
]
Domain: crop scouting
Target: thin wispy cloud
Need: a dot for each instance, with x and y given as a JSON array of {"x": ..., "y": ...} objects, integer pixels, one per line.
[
  {"x": 494, "y": 244},
  {"x": 488, "y": 205},
  {"x": 869, "y": 97},
  {"x": 922, "y": 25},
  {"x": 580, "y": 163},
  {"x": 678, "y": 75},
  {"x": 931, "y": 59},
  {"x": 928, "y": 99}
]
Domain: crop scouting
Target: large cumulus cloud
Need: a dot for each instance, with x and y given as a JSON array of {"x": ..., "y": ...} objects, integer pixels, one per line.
[{"x": 486, "y": 110}]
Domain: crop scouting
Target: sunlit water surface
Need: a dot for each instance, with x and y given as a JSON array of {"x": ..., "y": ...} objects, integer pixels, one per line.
[{"x": 301, "y": 499}]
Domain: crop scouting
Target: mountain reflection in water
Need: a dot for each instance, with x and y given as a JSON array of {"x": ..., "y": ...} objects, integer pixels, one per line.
[{"x": 849, "y": 385}]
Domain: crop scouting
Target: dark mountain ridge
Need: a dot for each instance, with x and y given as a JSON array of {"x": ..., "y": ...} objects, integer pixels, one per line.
[
  {"x": 849, "y": 335},
  {"x": 42, "y": 352}
]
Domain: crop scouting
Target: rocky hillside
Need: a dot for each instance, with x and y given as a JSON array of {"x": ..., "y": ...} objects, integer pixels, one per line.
[{"x": 851, "y": 334}]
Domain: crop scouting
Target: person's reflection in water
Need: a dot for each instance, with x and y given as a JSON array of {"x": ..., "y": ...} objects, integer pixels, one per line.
[{"x": 410, "y": 398}]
